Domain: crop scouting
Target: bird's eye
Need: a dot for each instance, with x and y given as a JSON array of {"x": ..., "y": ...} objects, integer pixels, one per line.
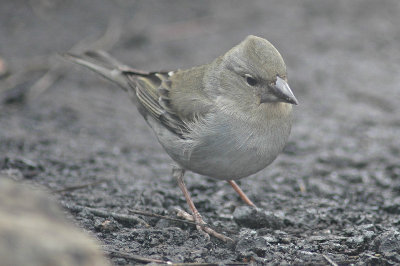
[{"x": 251, "y": 81}]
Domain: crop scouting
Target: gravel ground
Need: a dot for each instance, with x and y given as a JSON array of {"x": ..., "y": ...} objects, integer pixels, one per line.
[{"x": 333, "y": 195}]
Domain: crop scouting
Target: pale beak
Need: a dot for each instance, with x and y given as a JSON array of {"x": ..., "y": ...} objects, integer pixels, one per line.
[{"x": 283, "y": 92}]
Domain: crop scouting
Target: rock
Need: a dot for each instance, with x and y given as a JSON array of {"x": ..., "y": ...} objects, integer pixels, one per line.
[
  {"x": 355, "y": 241},
  {"x": 388, "y": 242},
  {"x": 250, "y": 244},
  {"x": 256, "y": 218},
  {"x": 28, "y": 168},
  {"x": 34, "y": 231},
  {"x": 392, "y": 206}
]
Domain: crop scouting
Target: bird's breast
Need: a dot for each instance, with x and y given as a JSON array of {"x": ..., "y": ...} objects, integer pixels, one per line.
[{"x": 232, "y": 147}]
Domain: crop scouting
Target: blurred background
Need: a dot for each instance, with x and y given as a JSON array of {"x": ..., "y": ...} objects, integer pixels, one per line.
[{"x": 61, "y": 125}]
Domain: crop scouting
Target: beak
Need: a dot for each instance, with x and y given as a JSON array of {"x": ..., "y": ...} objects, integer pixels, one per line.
[{"x": 283, "y": 92}]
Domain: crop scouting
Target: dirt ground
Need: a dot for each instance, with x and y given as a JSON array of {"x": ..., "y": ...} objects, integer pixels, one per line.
[{"x": 333, "y": 195}]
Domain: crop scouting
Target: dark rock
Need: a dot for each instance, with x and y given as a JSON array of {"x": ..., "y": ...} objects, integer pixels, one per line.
[
  {"x": 388, "y": 242},
  {"x": 107, "y": 225},
  {"x": 256, "y": 218},
  {"x": 392, "y": 206},
  {"x": 28, "y": 168},
  {"x": 355, "y": 241},
  {"x": 252, "y": 245}
]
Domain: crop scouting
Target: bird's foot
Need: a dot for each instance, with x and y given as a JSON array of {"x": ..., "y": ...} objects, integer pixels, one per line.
[{"x": 202, "y": 226}]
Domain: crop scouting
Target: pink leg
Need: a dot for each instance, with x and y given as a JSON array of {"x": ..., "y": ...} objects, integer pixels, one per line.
[
  {"x": 178, "y": 173},
  {"x": 241, "y": 193}
]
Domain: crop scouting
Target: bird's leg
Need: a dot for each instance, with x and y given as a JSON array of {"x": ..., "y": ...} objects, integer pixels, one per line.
[
  {"x": 241, "y": 193},
  {"x": 178, "y": 173}
]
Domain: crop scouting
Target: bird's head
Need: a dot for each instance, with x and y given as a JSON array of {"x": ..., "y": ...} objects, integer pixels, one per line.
[{"x": 254, "y": 71}]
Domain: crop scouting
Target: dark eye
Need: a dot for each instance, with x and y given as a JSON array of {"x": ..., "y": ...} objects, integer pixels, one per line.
[{"x": 251, "y": 81}]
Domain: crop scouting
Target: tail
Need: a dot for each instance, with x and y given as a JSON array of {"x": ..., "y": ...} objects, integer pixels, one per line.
[{"x": 102, "y": 63}]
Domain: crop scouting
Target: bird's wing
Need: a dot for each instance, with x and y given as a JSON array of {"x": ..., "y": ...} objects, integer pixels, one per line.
[
  {"x": 150, "y": 89},
  {"x": 152, "y": 92}
]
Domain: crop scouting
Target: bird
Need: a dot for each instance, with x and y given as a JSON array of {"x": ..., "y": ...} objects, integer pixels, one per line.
[{"x": 227, "y": 119}]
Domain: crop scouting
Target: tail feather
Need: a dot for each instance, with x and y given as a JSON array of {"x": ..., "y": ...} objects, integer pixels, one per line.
[
  {"x": 105, "y": 58},
  {"x": 102, "y": 63}
]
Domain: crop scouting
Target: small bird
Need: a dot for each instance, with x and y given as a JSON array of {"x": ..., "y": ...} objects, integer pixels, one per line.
[{"x": 227, "y": 119}]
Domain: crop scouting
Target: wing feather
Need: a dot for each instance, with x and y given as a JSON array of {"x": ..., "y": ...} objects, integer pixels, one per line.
[{"x": 152, "y": 91}]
